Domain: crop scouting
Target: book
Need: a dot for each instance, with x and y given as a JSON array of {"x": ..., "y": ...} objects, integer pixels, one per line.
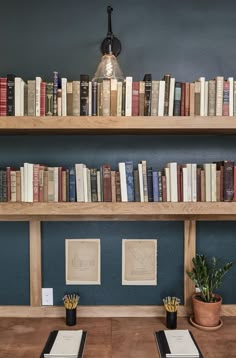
[
  {"x": 177, "y": 343},
  {"x": 69, "y": 343},
  {"x": 147, "y": 94}
]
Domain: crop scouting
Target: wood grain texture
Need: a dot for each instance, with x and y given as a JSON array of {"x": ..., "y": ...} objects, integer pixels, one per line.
[
  {"x": 189, "y": 253},
  {"x": 102, "y": 311},
  {"x": 118, "y": 211},
  {"x": 35, "y": 263},
  {"x": 111, "y": 337},
  {"x": 117, "y": 125}
]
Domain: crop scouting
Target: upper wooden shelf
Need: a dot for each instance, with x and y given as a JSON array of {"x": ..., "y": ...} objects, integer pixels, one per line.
[
  {"x": 117, "y": 211},
  {"x": 117, "y": 125}
]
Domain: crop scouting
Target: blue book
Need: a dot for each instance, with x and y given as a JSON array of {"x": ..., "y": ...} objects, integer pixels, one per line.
[
  {"x": 72, "y": 190},
  {"x": 155, "y": 186},
  {"x": 130, "y": 180}
]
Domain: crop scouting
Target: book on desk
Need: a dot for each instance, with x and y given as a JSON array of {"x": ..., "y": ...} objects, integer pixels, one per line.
[
  {"x": 178, "y": 343},
  {"x": 65, "y": 344}
]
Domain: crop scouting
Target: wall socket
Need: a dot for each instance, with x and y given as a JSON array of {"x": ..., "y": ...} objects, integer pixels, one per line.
[{"x": 47, "y": 296}]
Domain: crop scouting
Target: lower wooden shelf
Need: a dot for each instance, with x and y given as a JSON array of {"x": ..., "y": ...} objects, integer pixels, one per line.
[{"x": 117, "y": 211}]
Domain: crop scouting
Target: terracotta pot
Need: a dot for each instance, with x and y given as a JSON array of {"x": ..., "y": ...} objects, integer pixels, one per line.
[{"x": 206, "y": 314}]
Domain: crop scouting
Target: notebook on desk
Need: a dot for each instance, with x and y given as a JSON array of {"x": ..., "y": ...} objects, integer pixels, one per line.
[
  {"x": 177, "y": 344},
  {"x": 65, "y": 344}
]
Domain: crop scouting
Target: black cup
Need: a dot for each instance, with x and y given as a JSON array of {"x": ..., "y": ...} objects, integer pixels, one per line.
[
  {"x": 71, "y": 317},
  {"x": 171, "y": 320}
]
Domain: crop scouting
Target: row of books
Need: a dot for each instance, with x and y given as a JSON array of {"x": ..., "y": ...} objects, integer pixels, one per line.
[
  {"x": 109, "y": 97},
  {"x": 189, "y": 182}
]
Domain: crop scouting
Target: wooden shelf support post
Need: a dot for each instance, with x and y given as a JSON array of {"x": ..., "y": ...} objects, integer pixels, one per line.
[
  {"x": 35, "y": 263},
  {"x": 189, "y": 253}
]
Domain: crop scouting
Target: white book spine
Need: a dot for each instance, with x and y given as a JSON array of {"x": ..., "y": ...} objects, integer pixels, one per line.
[
  {"x": 64, "y": 97},
  {"x": 85, "y": 181},
  {"x": 22, "y": 184},
  {"x": 26, "y": 182},
  {"x": 17, "y": 93},
  {"x": 171, "y": 96},
  {"x": 90, "y": 99},
  {"x": 128, "y": 96},
  {"x": 189, "y": 171},
  {"x": 38, "y": 81},
  {"x": 173, "y": 182},
  {"x": 75, "y": 98},
  {"x": 119, "y": 98},
  {"x": 213, "y": 181},
  {"x": 161, "y": 98},
  {"x": 207, "y": 169},
  {"x": 206, "y": 99},
  {"x": 99, "y": 185},
  {"x": 79, "y": 182},
  {"x": 123, "y": 182},
  {"x": 185, "y": 184},
  {"x": 194, "y": 182},
  {"x": 168, "y": 188},
  {"x": 30, "y": 183},
  {"x": 140, "y": 174},
  {"x": 231, "y": 96},
  {"x": 202, "y": 95},
  {"x": 219, "y": 95}
]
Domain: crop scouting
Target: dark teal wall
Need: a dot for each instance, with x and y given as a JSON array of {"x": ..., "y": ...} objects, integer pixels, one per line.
[{"x": 186, "y": 38}]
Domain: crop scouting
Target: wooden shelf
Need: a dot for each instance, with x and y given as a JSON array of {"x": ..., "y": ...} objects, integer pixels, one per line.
[
  {"x": 117, "y": 211},
  {"x": 117, "y": 125}
]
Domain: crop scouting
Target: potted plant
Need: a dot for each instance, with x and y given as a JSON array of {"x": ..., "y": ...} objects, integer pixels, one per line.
[{"x": 207, "y": 276}]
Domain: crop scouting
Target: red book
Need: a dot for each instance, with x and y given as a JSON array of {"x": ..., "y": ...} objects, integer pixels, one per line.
[
  {"x": 106, "y": 173},
  {"x": 3, "y": 96},
  {"x": 42, "y": 98},
  {"x": 225, "y": 110},
  {"x": 182, "y": 103}
]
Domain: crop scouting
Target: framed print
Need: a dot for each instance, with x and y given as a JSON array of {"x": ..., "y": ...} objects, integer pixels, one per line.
[
  {"x": 83, "y": 262},
  {"x": 139, "y": 262}
]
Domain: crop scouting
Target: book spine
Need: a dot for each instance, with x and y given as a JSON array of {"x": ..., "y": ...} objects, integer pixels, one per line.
[
  {"x": 128, "y": 96},
  {"x": 113, "y": 186},
  {"x": 70, "y": 98},
  {"x": 182, "y": 104},
  {"x": 206, "y": 98},
  {"x": 64, "y": 97},
  {"x": 118, "y": 189},
  {"x": 161, "y": 98},
  {"x": 90, "y": 99},
  {"x": 145, "y": 183},
  {"x": 219, "y": 95},
  {"x": 49, "y": 99},
  {"x": 202, "y": 95},
  {"x": 106, "y": 96},
  {"x": 43, "y": 99},
  {"x": 94, "y": 98},
  {"x": 55, "y": 88},
  {"x": 59, "y": 101},
  {"x": 167, "y": 93},
  {"x": 171, "y": 97},
  {"x": 160, "y": 192},
  {"x": 113, "y": 98},
  {"x": 72, "y": 184},
  {"x": 155, "y": 185},
  {"x": 10, "y": 95},
  {"x": 141, "y": 97},
  {"x": 212, "y": 98},
  {"x": 17, "y": 95},
  {"x": 228, "y": 180},
  {"x": 140, "y": 174},
  {"x": 135, "y": 99},
  {"x": 3, "y": 96},
  {"x": 147, "y": 94},
  {"x": 231, "y": 96},
  {"x": 123, "y": 182},
  {"x": 130, "y": 180},
  {"x": 38, "y": 81},
  {"x": 136, "y": 186},
  {"x": 187, "y": 99},
  {"x": 94, "y": 195},
  {"x": 84, "y": 95},
  {"x": 197, "y": 98},
  {"x": 150, "y": 184},
  {"x": 191, "y": 100},
  {"x": 36, "y": 182},
  {"x": 106, "y": 172},
  {"x": 119, "y": 99},
  {"x": 225, "y": 109},
  {"x": 177, "y": 99},
  {"x": 155, "y": 94}
]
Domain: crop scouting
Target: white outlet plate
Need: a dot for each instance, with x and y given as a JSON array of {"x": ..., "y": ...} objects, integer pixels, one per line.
[{"x": 47, "y": 296}]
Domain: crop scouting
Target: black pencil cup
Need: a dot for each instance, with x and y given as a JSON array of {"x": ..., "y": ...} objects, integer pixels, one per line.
[
  {"x": 171, "y": 320},
  {"x": 71, "y": 317}
]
